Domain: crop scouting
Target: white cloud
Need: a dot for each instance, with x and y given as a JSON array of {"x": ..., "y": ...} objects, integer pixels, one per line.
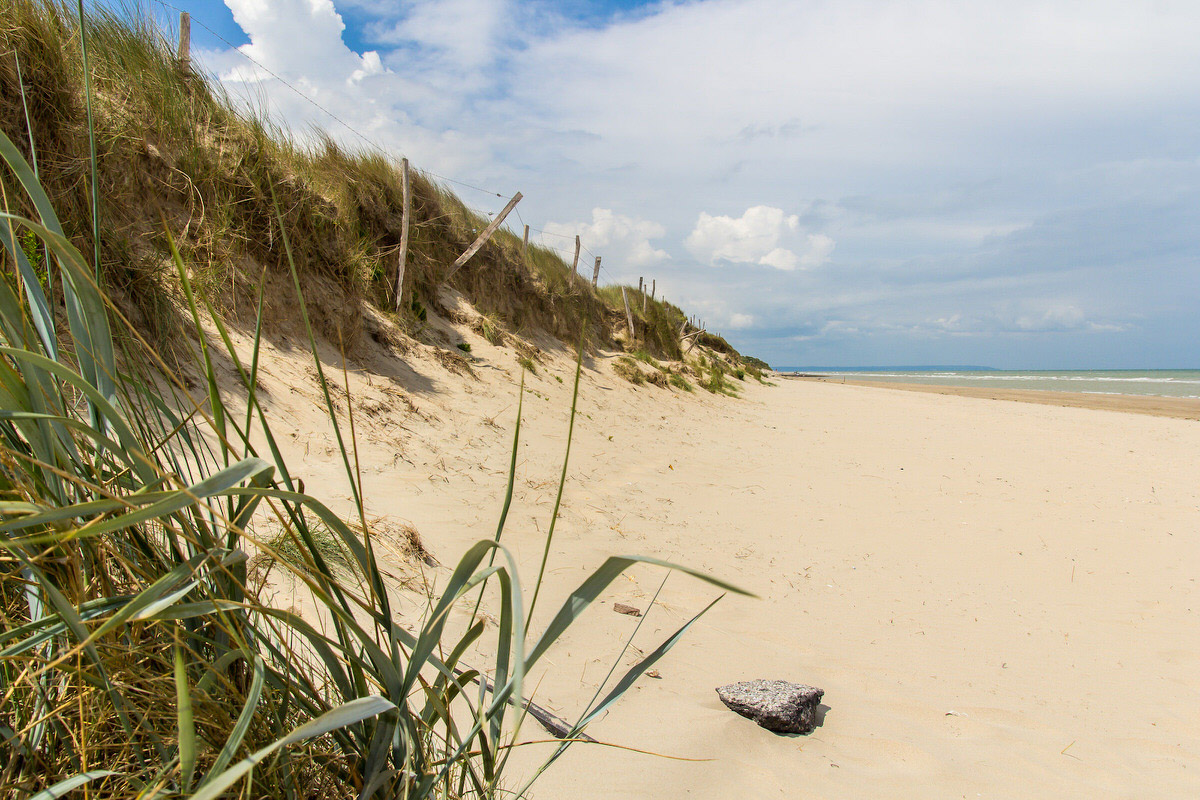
[
  {"x": 780, "y": 258},
  {"x": 740, "y": 321},
  {"x": 755, "y": 238},
  {"x": 622, "y": 241},
  {"x": 748, "y": 239},
  {"x": 1026, "y": 317},
  {"x": 296, "y": 37},
  {"x": 820, "y": 247},
  {"x": 467, "y": 34}
]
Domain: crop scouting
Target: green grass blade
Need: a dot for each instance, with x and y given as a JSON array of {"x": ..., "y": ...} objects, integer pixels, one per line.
[
  {"x": 91, "y": 126},
  {"x": 345, "y": 714},
  {"x": 72, "y": 783},
  {"x": 43, "y": 317},
  {"x": 562, "y": 479},
  {"x": 596, "y": 583},
  {"x": 238, "y": 733},
  {"x": 186, "y": 724}
]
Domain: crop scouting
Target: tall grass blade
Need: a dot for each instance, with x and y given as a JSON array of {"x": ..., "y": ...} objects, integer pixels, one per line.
[
  {"x": 186, "y": 723},
  {"x": 245, "y": 717},
  {"x": 62, "y": 788},
  {"x": 340, "y": 717},
  {"x": 91, "y": 127}
]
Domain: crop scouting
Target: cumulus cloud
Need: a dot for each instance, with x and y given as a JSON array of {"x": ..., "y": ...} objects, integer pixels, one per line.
[
  {"x": 293, "y": 36},
  {"x": 621, "y": 240},
  {"x": 755, "y": 238},
  {"x": 740, "y": 321}
]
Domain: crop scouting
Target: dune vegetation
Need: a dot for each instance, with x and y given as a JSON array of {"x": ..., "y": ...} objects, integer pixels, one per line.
[{"x": 142, "y": 214}]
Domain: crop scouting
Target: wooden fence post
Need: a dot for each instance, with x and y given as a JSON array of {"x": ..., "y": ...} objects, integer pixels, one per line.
[
  {"x": 628, "y": 315},
  {"x": 482, "y": 238},
  {"x": 653, "y": 286},
  {"x": 695, "y": 338},
  {"x": 185, "y": 41},
  {"x": 640, "y": 280},
  {"x": 525, "y": 243},
  {"x": 406, "y": 194},
  {"x": 644, "y": 299},
  {"x": 596, "y": 273},
  {"x": 575, "y": 263}
]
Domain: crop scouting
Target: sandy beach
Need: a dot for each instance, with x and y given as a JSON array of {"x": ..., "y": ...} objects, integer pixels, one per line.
[
  {"x": 998, "y": 598},
  {"x": 1179, "y": 407}
]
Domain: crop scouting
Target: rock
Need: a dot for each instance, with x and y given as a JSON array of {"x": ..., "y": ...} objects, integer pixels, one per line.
[
  {"x": 621, "y": 608},
  {"x": 654, "y": 674},
  {"x": 778, "y": 706}
]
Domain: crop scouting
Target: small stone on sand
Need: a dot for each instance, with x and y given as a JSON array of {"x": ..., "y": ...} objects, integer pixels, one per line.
[{"x": 778, "y": 706}]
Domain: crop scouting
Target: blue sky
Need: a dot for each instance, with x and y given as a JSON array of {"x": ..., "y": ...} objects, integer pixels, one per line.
[{"x": 855, "y": 182}]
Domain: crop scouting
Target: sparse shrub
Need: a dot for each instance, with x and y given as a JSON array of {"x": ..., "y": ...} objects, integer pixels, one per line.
[
  {"x": 641, "y": 355},
  {"x": 489, "y": 328},
  {"x": 625, "y": 367},
  {"x": 464, "y": 346},
  {"x": 679, "y": 382},
  {"x": 527, "y": 363},
  {"x": 715, "y": 382}
]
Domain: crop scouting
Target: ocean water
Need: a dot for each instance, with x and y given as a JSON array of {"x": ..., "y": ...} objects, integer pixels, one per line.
[{"x": 1160, "y": 382}]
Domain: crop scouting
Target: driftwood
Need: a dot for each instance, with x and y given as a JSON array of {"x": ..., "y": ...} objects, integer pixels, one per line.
[{"x": 556, "y": 726}]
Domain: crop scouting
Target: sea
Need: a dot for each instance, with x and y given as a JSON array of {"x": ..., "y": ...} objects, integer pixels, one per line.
[{"x": 1155, "y": 382}]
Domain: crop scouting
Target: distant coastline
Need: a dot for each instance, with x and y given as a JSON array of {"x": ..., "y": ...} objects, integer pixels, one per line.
[
  {"x": 1164, "y": 393},
  {"x": 1177, "y": 383}
]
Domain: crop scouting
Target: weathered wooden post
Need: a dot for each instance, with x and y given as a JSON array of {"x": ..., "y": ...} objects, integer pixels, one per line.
[
  {"x": 628, "y": 315},
  {"x": 653, "y": 286},
  {"x": 575, "y": 263},
  {"x": 640, "y": 280},
  {"x": 525, "y": 243},
  {"x": 596, "y": 272},
  {"x": 406, "y": 195},
  {"x": 185, "y": 41},
  {"x": 482, "y": 238}
]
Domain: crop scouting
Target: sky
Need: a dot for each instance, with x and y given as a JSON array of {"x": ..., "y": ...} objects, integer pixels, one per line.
[{"x": 825, "y": 182}]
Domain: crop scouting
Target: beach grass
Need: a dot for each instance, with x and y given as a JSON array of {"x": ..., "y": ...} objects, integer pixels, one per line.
[{"x": 137, "y": 656}]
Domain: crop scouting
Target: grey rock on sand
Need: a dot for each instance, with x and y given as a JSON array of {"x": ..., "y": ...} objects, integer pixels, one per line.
[{"x": 778, "y": 706}]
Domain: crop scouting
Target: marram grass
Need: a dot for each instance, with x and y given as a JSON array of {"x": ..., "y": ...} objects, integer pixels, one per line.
[{"x": 136, "y": 659}]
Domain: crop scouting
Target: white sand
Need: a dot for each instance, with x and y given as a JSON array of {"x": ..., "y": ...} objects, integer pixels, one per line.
[{"x": 999, "y": 599}]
